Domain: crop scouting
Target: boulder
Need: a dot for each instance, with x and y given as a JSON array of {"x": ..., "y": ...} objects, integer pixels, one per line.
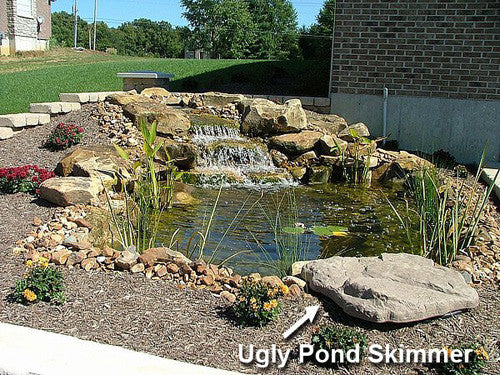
[
  {"x": 295, "y": 143},
  {"x": 395, "y": 164},
  {"x": 318, "y": 174},
  {"x": 183, "y": 154},
  {"x": 279, "y": 158},
  {"x": 127, "y": 98},
  {"x": 170, "y": 121},
  {"x": 261, "y": 117},
  {"x": 328, "y": 124},
  {"x": 297, "y": 172},
  {"x": 395, "y": 288},
  {"x": 126, "y": 260},
  {"x": 360, "y": 129},
  {"x": 305, "y": 158},
  {"x": 163, "y": 255},
  {"x": 332, "y": 145},
  {"x": 67, "y": 191},
  {"x": 155, "y": 91},
  {"x": 65, "y": 166},
  {"x": 220, "y": 99}
]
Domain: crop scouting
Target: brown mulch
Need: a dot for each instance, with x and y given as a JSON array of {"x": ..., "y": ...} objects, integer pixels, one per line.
[{"x": 160, "y": 318}]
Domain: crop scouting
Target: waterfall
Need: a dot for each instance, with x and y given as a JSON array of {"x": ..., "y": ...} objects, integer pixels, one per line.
[{"x": 228, "y": 156}]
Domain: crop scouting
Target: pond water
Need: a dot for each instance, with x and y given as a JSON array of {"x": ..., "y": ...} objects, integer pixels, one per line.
[{"x": 243, "y": 220}]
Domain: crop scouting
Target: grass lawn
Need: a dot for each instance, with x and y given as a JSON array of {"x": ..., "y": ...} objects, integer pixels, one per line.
[{"x": 41, "y": 78}]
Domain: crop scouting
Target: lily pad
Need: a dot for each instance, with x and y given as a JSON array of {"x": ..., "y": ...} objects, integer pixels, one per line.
[
  {"x": 330, "y": 231},
  {"x": 293, "y": 230}
]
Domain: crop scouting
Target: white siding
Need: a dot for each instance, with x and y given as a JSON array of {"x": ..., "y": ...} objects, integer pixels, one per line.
[{"x": 25, "y": 8}]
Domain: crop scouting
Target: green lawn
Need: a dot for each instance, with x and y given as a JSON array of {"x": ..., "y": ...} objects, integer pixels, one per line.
[{"x": 24, "y": 80}]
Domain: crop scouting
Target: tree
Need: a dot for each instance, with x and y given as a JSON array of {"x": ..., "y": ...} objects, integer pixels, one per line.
[
  {"x": 244, "y": 28},
  {"x": 62, "y": 30},
  {"x": 233, "y": 29},
  {"x": 320, "y": 47},
  {"x": 276, "y": 29}
]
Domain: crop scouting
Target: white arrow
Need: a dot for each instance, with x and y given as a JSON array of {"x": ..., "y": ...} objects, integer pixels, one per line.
[{"x": 310, "y": 314}]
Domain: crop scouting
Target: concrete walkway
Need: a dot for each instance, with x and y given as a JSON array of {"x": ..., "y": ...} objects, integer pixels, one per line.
[{"x": 26, "y": 351}]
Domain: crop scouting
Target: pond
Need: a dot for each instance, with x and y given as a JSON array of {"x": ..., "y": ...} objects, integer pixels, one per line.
[{"x": 243, "y": 221}]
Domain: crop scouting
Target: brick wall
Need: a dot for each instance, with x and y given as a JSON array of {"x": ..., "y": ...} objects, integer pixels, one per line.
[{"x": 438, "y": 48}]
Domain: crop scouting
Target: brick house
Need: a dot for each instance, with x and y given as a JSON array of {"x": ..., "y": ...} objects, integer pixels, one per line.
[
  {"x": 439, "y": 61},
  {"x": 24, "y": 25}
]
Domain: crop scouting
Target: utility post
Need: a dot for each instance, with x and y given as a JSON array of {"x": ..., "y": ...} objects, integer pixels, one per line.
[
  {"x": 75, "y": 11},
  {"x": 95, "y": 23}
]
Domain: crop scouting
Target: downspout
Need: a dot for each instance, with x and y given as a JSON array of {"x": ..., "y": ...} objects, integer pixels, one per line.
[
  {"x": 331, "y": 55},
  {"x": 384, "y": 115}
]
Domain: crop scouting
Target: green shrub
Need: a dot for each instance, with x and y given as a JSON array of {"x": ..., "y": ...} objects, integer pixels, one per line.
[
  {"x": 258, "y": 304},
  {"x": 40, "y": 283},
  {"x": 330, "y": 337},
  {"x": 64, "y": 136},
  {"x": 477, "y": 360}
]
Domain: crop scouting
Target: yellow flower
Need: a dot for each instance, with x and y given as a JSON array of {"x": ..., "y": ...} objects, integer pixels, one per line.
[
  {"x": 29, "y": 263},
  {"x": 284, "y": 289},
  {"x": 273, "y": 303},
  {"x": 271, "y": 292},
  {"x": 254, "y": 306},
  {"x": 29, "y": 295},
  {"x": 267, "y": 306},
  {"x": 43, "y": 262},
  {"x": 482, "y": 353},
  {"x": 253, "y": 300}
]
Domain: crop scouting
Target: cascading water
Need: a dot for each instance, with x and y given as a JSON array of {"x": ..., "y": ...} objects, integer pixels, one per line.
[{"x": 227, "y": 156}]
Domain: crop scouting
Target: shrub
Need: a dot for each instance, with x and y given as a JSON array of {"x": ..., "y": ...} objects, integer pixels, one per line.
[
  {"x": 330, "y": 337},
  {"x": 477, "y": 360},
  {"x": 40, "y": 283},
  {"x": 258, "y": 304},
  {"x": 64, "y": 136},
  {"x": 26, "y": 179}
]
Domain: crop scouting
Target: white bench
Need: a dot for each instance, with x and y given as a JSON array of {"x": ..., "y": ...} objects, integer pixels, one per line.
[{"x": 144, "y": 79}]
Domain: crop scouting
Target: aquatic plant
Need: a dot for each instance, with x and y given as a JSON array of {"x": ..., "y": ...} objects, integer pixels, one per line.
[
  {"x": 289, "y": 247},
  {"x": 448, "y": 213},
  {"x": 147, "y": 196}
]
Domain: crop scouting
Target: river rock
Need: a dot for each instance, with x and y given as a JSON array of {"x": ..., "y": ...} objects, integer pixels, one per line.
[
  {"x": 67, "y": 191},
  {"x": 395, "y": 164},
  {"x": 126, "y": 260},
  {"x": 262, "y": 117},
  {"x": 328, "y": 124},
  {"x": 318, "y": 174},
  {"x": 295, "y": 143},
  {"x": 279, "y": 158},
  {"x": 395, "y": 288},
  {"x": 170, "y": 121}
]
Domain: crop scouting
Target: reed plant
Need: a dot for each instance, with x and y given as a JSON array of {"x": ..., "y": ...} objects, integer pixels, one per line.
[
  {"x": 145, "y": 195},
  {"x": 289, "y": 246},
  {"x": 447, "y": 210}
]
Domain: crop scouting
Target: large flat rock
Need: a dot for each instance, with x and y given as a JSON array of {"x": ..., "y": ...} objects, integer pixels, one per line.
[
  {"x": 66, "y": 191},
  {"x": 396, "y": 288}
]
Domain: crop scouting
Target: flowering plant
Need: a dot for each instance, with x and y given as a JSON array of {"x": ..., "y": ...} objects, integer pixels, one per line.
[
  {"x": 477, "y": 360},
  {"x": 40, "y": 283},
  {"x": 258, "y": 304},
  {"x": 64, "y": 136},
  {"x": 25, "y": 179}
]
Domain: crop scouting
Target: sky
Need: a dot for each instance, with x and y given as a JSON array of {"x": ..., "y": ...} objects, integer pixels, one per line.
[{"x": 115, "y": 12}]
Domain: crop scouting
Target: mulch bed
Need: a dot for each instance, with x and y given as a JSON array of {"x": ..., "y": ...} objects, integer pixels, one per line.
[{"x": 161, "y": 318}]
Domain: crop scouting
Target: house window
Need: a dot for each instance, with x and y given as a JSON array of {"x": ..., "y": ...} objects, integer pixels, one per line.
[{"x": 25, "y": 8}]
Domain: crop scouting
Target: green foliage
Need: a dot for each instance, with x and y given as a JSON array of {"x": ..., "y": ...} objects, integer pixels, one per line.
[
  {"x": 448, "y": 213},
  {"x": 149, "y": 196},
  {"x": 243, "y": 29},
  {"x": 330, "y": 337},
  {"x": 40, "y": 283},
  {"x": 64, "y": 136},
  {"x": 477, "y": 360},
  {"x": 258, "y": 304},
  {"x": 321, "y": 46}
]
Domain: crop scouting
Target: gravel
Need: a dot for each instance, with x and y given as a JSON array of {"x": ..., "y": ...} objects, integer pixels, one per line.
[{"x": 161, "y": 318}]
